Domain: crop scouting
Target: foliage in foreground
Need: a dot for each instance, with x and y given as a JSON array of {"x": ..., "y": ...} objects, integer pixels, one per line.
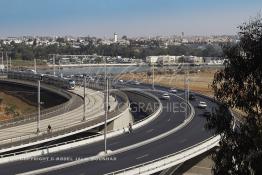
[{"x": 239, "y": 86}]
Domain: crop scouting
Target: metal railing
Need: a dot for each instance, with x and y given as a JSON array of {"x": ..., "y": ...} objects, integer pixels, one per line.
[
  {"x": 45, "y": 113},
  {"x": 168, "y": 159},
  {"x": 46, "y": 136},
  {"x": 26, "y": 139}
]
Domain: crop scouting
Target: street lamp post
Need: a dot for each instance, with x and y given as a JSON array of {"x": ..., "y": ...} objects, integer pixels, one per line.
[
  {"x": 39, "y": 103},
  {"x": 188, "y": 81},
  {"x": 153, "y": 84},
  {"x": 106, "y": 105},
  {"x": 6, "y": 62},
  {"x": 35, "y": 65},
  {"x": 186, "y": 86},
  {"x": 84, "y": 111},
  {"x": 2, "y": 58},
  {"x": 54, "y": 65}
]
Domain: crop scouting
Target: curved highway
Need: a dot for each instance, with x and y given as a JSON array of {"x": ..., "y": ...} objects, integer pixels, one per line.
[{"x": 191, "y": 134}]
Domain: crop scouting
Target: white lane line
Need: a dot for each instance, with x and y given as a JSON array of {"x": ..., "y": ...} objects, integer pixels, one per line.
[
  {"x": 168, "y": 119},
  {"x": 142, "y": 156},
  {"x": 150, "y": 130}
]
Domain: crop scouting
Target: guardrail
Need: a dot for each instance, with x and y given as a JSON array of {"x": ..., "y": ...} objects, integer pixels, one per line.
[
  {"x": 46, "y": 113},
  {"x": 87, "y": 159},
  {"x": 171, "y": 159},
  {"x": 85, "y": 140}
]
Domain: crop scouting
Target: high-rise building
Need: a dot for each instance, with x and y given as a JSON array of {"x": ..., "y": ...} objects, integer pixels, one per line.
[{"x": 115, "y": 37}]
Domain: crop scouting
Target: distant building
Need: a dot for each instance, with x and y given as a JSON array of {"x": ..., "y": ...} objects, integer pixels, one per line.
[
  {"x": 193, "y": 59},
  {"x": 167, "y": 60},
  {"x": 151, "y": 59},
  {"x": 115, "y": 37},
  {"x": 171, "y": 60}
]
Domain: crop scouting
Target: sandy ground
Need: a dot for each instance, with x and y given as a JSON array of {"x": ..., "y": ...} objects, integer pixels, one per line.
[
  {"x": 198, "y": 82},
  {"x": 21, "y": 106}
]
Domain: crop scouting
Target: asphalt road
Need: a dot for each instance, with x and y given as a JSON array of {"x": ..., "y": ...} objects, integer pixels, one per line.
[{"x": 191, "y": 134}]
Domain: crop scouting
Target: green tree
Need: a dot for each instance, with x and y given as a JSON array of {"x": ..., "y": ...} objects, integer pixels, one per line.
[{"x": 239, "y": 86}]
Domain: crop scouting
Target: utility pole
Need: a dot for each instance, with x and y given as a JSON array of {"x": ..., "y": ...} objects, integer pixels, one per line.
[
  {"x": 39, "y": 103},
  {"x": 153, "y": 84},
  {"x": 2, "y": 67},
  {"x": 6, "y": 62},
  {"x": 84, "y": 110},
  {"x": 106, "y": 105},
  {"x": 10, "y": 63},
  {"x": 35, "y": 65},
  {"x": 185, "y": 88},
  {"x": 54, "y": 65},
  {"x": 188, "y": 84},
  {"x": 2, "y": 58},
  {"x": 59, "y": 70}
]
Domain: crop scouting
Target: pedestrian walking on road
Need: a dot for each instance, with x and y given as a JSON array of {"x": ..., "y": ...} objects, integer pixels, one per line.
[
  {"x": 130, "y": 128},
  {"x": 49, "y": 128}
]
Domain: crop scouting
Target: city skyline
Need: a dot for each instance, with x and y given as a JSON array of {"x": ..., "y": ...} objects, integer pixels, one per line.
[{"x": 132, "y": 18}]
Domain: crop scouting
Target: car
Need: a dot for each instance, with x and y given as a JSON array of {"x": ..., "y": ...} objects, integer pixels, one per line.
[
  {"x": 135, "y": 82},
  {"x": 207, "y": 114},
  {"x": 192, "y": 97},
  {"x": 172, "y": 90},
  {"x": 202, "y": 104},
  {"x": 165, "y": 96}
]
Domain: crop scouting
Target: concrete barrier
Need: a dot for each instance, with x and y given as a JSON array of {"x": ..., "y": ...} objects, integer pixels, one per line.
[
  {"x": 74, "y": 163},
  {"x": 170, "y": 160},
  {"x": 79, "y": 142},
  {"x": 45, "y": 113}
]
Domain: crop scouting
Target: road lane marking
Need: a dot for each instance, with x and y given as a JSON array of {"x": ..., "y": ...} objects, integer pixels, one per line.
[{"x": 142, "y": 156}]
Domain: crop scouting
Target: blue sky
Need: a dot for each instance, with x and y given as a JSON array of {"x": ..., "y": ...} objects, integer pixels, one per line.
[{"x": 127, "y": 17}]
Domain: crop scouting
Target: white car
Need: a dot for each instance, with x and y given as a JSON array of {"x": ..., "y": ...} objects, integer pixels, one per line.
[
  {"x": 202, "y": 104},
  {"x": 174, "y": 91},
  {"x": 135, "y": 82},
  {"x": 165, "y": 96}
]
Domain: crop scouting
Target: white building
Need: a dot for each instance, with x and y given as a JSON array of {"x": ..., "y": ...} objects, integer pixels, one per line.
[
  {"x": 151, "y": 59},
  {"x": 115, "y": 37},
  {"x": 171, "y": 60},
  {"x": 193, "y": 59}
]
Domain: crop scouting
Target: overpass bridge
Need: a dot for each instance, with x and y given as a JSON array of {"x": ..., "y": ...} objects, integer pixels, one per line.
[
  {"x": 170, "y": 138},
  {"x": 21, "y": 134}
]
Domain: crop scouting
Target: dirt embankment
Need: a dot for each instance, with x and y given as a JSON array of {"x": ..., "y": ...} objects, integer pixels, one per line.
[{"x": 11, "y": 106}]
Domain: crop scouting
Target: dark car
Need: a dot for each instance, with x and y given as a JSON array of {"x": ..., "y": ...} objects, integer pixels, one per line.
[
  {"x": 207, "y": 114},
  {"x": 192, "y": 97}
]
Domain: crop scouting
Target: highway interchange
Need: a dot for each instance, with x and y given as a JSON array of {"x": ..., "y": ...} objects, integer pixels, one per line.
[{"x": 193, "y": 133}]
